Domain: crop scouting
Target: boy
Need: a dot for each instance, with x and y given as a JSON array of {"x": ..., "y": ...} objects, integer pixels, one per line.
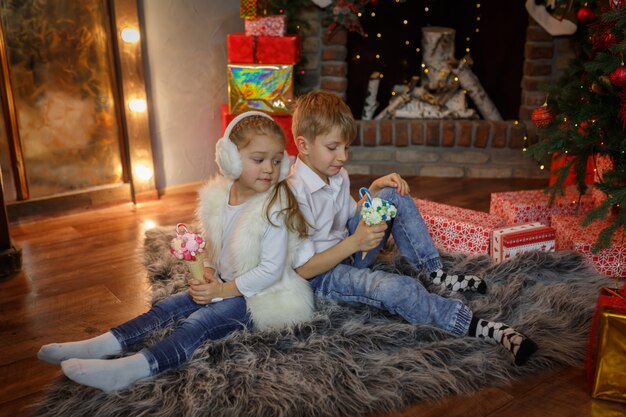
[{"x": 331, "y": 258}]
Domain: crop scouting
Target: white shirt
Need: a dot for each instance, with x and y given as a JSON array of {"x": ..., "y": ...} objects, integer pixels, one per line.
[
  {"x": 326, "y": 207},
  {"x": 273, "y": 254}
]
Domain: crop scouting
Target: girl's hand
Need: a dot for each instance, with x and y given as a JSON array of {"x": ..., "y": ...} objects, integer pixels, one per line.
[
  {"x": 368, "y": 237},
  {"x": 205, "y": 293},
  {"x": 392, "y": 180}
]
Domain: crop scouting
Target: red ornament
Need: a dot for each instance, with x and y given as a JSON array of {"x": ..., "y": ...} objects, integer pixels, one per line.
[
  {"x": 585, "y": 15},
  {"x": 542, "y": 116},
  {"x": 618, "y": 76}
]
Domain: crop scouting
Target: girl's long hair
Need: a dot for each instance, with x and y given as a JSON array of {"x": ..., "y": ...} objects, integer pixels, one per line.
[{"x": 242, "y": 135}]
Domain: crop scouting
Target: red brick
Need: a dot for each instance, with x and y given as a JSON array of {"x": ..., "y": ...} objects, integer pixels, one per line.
[
  {"x": 369, "y": 132},
  {"x": 338, "y": 37},
  {"x": 417, "y": 132},
  {"x": 531, "y": 132},
  {"x": 432, "y": 134},
  {"x": 336, "y": 85},
  {"x": 386, "y": 132},
  {"x": 533, "y": 98},
  {"x": 498, "y": 139},
  {"x": 448, "y": 136},
  {"x": 534, "y": 83},
  {"x": 535, "y": 68},
  {"x": 525, "y": 112},
  {"x": 516, "y": 136},
  {"x": 359, "y": 133},
  {"x": 483, "y": 133},
  {"x": 537, "y": 50},
  {"x": 402, "y": 133},
  {"x": 465, "y": 133},
  {"x": 537, "y": 33},
  {"x": 334, "y": 53},
  {"x": 334, "y": 69}
]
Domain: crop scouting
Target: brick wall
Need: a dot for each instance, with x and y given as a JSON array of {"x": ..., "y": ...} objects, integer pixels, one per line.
[{"x": 445, "y": 148}]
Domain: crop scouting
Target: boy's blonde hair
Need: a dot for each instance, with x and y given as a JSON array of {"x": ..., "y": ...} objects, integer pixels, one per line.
[
  {"x": 241, "y": 135},
  {"x": 318, "y": 112}
]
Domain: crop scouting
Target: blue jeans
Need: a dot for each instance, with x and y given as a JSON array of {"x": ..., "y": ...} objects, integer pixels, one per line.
[
  {"x": 352, "y": 280},
  {"x": 201, "y": 322}
]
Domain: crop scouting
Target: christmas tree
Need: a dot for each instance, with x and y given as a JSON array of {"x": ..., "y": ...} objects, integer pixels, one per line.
[{"x": 584, "y": 118}]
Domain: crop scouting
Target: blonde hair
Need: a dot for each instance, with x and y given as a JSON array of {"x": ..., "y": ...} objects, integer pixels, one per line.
[
  {"x": 241, "y": 135},
  {"x": 318, "y": 112}
]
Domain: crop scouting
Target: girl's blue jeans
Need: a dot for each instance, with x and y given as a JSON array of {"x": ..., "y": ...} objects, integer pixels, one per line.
[
  {"x": 200, "y": 322},
  {"x": 353, "y": 281}
]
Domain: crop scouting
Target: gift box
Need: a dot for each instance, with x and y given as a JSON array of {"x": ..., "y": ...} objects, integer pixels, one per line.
[
  {"x": 243, "y": 49},
  {"x": 559, "y": 159},
  {"x": 517, "y": 207},
  {"x": 507, "y": 242},
  {"x": 605, "y": 362},
  {"x": 266, "y": 26},
  {"x": 456, "y": 229},
  {"x": 571, "y": 235},
  {"x": 267, "y": 88},
  {"x": 283, "y": 120},
  {"x": 250, "y": 9},
  {"x": 603, "y": 164}
]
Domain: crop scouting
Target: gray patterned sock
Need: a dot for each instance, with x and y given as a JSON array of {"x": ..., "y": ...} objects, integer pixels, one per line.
[{"x": 458, "y": 282}]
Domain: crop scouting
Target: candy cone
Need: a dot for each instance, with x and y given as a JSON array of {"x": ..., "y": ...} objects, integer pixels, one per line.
[{"x": 197, "y": 268}]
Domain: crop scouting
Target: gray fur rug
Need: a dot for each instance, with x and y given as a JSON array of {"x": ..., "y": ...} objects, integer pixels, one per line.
[{"x": 354, "y": 360}]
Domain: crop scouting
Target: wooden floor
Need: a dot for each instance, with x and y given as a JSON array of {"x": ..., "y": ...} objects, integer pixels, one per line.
[{"x": 83, "y": 274}]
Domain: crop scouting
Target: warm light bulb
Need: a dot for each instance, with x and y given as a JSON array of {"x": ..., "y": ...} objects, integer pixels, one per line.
[
  {"x": 130, "y": 35},
  {"x": 377, "y": 56},
  {"x": 149, "y": 224},
  {"x": 426, "y": 9},
  {"x": 378, "y": 35},
  {"x": 137, "y": 105},
  {"x": 406, "y": 22},
  {"x": 358, "y": 57},
  {"x": 142, "y": 172},
  {"x": 373, "y": 14},
  {"x": 406, "y": 42}
]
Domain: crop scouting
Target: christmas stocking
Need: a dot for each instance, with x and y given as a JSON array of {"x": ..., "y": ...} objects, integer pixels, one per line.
[{"x": 557, "y": 17}]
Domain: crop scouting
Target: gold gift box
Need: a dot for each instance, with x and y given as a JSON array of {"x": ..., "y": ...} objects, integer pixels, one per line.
[
  {"x": 267, "y": 88},
  {"x": 609, "y": 379}
]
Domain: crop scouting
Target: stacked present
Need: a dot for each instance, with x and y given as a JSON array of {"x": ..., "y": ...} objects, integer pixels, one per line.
[
  {"x": 571, "y": 235},
  {"x": 261, "y": 62},
  {"x": 606, "y": 354},
  {"x": 507, "y": 242},
  {"x": 602, "y": 164},
  {"x": 456, "y": 229},
  {"x": 517, "y": 207}
]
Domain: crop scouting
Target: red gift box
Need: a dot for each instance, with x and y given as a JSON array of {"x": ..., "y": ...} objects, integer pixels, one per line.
[
  {"x": 283, "y": 120},
  {"x": 456, "y": 229},
  {"x": 571, "y": 235},
  {"x": 559, "y": 159},
  {"x": 283, "y": 50},
  {"x": 517, "y": 207},
  {"x": 266, "y": 26},
  {"x": 506, "y": 242},
  {"x": 603, "y": 164}
]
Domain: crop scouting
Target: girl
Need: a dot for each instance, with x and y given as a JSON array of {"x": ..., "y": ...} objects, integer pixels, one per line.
[{"x": 249, "y": 267}]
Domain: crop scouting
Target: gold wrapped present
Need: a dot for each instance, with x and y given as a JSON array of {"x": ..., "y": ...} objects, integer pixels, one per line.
[
  {"x": 250, "y": 9},
  {"x": 609, "y": 378},
  {"x": 267, "y": 88}
]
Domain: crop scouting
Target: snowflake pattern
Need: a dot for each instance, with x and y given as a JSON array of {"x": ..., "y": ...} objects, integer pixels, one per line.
[
  {"x": 517, "y": 207},
  {"x": 456, "y": 229},
  {"x": 570, "y": 235}
]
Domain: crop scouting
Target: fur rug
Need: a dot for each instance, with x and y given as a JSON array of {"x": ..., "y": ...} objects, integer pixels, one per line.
[{"x": 354, "y": 360}]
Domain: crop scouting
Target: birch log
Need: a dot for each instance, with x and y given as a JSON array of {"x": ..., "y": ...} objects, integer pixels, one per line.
[
  {"x": 438, "y": 52},
  {"x": 370, "y": 98},
  {"x": 469, "y": 81}
]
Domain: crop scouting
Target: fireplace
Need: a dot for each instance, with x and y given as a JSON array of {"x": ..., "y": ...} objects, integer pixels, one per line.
[{"x": 446, "y": 147}]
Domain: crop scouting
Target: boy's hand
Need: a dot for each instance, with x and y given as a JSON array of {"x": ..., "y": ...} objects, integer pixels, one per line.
[
  {"x": 204, "y": 293},
  {"x": 392, "y": 180},
  {"x": 368, "y": 237}
]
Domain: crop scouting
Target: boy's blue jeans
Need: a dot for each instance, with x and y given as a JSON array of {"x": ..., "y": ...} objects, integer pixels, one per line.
[
  {"x": 201, "y": 322},
  {"x": 353, "y": 281}
]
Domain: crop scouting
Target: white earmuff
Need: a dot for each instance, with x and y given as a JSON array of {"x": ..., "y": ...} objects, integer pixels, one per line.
[{"x": 227, "y": 154}]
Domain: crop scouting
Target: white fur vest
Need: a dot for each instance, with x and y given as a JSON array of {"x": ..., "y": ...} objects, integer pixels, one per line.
[{"x": 289, "y": 300}]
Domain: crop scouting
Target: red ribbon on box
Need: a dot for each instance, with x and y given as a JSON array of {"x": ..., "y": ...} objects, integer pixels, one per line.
[{"x": 609, "y": 299}]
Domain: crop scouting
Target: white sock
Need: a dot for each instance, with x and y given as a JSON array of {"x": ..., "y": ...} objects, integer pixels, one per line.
[
  {"x": 107, "y": 374},
  {"x": 95, "y": 348}
]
